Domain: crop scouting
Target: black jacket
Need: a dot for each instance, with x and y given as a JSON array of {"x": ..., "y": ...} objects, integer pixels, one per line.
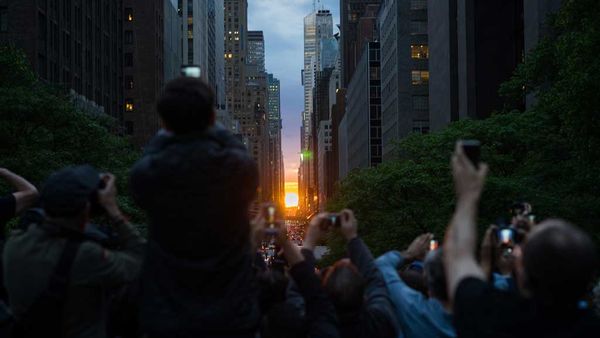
[{"x": 197, "y": 279}]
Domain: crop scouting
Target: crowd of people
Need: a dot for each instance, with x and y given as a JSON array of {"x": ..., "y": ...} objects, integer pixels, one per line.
[{"x": 74, "y": 266}]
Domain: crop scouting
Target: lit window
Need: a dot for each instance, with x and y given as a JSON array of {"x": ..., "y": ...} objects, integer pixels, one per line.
[
  {"x": 419, "y": 52},
  {"x": 129, "y": 107},
  {"x": 129, "y": 82},
  {"x": 420, "y": 77},
  {"x": 129, "y": 14}
]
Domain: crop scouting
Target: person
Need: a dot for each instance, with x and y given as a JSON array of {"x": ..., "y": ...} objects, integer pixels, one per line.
[
  {"x": 497, "y": 260},
  {"x": 34, "y": 254},
  {"x": 25, "y": 196},
  {"x": 317, "y": 319},
  {"x": 419, "y": 316},
  {"x": 358, "y": 290},
  {"x": 554, "y": 267},
  {"x": 196, "y": 182}
]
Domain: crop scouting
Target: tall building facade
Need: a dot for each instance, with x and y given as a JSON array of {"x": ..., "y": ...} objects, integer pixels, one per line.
[
  {"x": 355, "y": 14},
  {"x": 236, "y": 28},
  {"x": 474, "y": 49},
  {"x": 364, "y": 110},
  {"x": 256, "y": 49},
  {"x": 403, "y": 26},
  {"x": 76, "y": 44},
  {"x": 318, "y": 26},
  {"x": 203, "y": 45},
  {"x": 276, "y": 152},
  {"x": 149, "y": 62}
]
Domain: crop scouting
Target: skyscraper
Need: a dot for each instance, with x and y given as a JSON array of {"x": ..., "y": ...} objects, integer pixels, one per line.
[
  {"x": 204, "y": 46},
  {"x": 149, "y": 62},
  {"x": 75, "y": 44},
  {"x": 474, "y": 49},
  {"x": 404, "y": 71},
  {"x": 236, "y": 27},
  {"x": 318, "y": 26},
  {"x": 256, "y": 49},
  {"x": 275, "y": 151},
  {"x": 354, "y": 14}
]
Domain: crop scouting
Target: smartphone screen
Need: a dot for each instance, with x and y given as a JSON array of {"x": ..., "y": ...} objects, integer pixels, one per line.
[
  {"x": 472, "y": 149},
  {"x": 191, "y": 71}
]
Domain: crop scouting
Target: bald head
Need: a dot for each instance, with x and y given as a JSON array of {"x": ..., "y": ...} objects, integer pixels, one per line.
[{"x": 560, "y": 262}]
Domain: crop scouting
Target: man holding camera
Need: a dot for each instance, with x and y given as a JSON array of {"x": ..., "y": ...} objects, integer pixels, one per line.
[
  {"x": 196, "y": 182},
  {"x": 57, "y": 281}
]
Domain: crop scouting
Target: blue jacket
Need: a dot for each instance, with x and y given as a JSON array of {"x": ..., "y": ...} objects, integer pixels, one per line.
[{"x": 417, "y": 315}]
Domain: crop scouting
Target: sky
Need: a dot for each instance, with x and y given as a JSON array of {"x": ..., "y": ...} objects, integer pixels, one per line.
[{"x": 282, "y": 22}]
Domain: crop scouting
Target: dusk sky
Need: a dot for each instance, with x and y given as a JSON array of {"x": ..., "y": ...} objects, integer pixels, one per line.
[{"x": 282, "y": 22}]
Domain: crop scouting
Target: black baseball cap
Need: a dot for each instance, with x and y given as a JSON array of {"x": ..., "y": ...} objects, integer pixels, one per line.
[{"x": 67, "y": 191}]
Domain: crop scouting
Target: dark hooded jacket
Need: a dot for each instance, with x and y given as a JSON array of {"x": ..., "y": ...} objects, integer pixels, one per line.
[{"x": 197, "y": 279}]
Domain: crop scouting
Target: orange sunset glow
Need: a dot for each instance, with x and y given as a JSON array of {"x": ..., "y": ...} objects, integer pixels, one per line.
[{"x": 291, "y": 194}]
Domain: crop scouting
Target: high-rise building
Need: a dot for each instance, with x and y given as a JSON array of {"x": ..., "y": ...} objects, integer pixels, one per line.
[
  {"x": 318, "y": 26},
  {"x": 236, "y": 27},
  {"x": 364, "y": 110},
  {"x": 149, "y": 61},
  {"x": 356, "y": 30},
  {"x": 474, "y": 49},
  {"x": 404, "y": 71},
  {"x": 75, "y": 44},
  {"x": 275, "y": 151},
  {"x": 256, "y": 49},
  {"x": 203, "y": 45}
]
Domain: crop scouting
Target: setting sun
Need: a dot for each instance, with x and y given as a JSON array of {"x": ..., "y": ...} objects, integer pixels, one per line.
[{"x": 291, "y": 200}]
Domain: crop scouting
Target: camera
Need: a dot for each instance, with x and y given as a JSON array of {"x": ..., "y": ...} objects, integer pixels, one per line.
[
  {"x": 472, "y": 149},
  {"x": 433, "y": 245},
  {"x": 506, "y": 236},
  {"x": 333, "y": 220},
  {"x": 191, "y": 71},
  {"x": 95, "y": 208},
  {"x": 270, "y": 214}
]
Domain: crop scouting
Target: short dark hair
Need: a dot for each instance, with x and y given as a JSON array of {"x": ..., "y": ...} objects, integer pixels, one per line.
[
  {"x": 560, "y": 262},
  {"x": 187, "y": 105},
  {"x": 345, "y": 286}
]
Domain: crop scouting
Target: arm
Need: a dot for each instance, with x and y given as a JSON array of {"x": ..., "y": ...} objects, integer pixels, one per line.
[
  {"x": 320, "y": 313},
  {"x": 378, "y": 305},
  {"x": 461, "y": 237},
  {"x": 26, "y": 194}
]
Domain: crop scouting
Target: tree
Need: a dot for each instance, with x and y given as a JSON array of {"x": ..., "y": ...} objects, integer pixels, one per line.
[
  {"x": 549, "y": 154},
  {"x": 41, "y": 131}
]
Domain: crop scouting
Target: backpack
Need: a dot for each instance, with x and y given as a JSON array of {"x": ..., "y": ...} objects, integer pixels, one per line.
[{"x": 44, "y": 318}]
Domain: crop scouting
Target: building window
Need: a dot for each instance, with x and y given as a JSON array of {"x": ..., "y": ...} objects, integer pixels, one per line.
[
  {"x": 129, "y": 106},
  {"x": 129, "y": 14},
  {"x": 420, "y": 77},
  {"x": 418, "y": 4},
  {"x": 418, "y": 27},
  {"x": 421, "y": 126},
  {"x": 128, "y": 37},
  {"x": 420, "y": 102},
  {"x": 129, "y": 127},
  {"x": 129, "y": 82},
  {"x": 128, "y": 60},
  {"x": 3, "y": 19},
  {"x": 419, "y": 52}
]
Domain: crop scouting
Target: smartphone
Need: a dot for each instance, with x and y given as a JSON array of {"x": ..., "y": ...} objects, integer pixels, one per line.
[
  {"x": 270, "y": 213},
  {"x": 433, "y": 245},
  {"x": 333, "y": 220},
  {"x": 191, "y": 71},
  {"x": 506, "y": 236},
  {"x": 472, "y": 149}
]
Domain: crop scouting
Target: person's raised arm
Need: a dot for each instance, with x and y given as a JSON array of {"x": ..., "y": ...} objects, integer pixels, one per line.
[
  {"x": 26, "y": 194},
  {"x": 461, "y": 237}
]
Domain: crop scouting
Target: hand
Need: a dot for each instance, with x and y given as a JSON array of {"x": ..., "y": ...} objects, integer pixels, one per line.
[
  {"x": 349, "y": 227},
  {"x": 488, "y": 246},
  {"x": 107, "y": 197},
  {"x": 4, "y": 172},
  {"x": 468, "y": 181},
  {"x": 315, "y": 232},
  {"x": 417, "y": 250}
]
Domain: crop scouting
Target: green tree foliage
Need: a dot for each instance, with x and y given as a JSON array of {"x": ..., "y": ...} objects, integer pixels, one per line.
[
  {"x": 41, "y": 131},
  {"x": 548, "y": 155}
]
